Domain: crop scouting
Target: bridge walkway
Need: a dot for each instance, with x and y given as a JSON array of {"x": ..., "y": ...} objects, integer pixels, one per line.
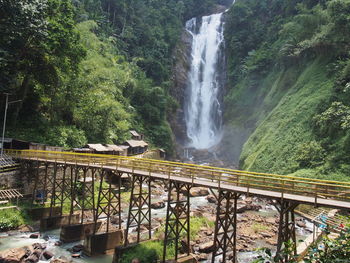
[{"x": 301, "y": 190}]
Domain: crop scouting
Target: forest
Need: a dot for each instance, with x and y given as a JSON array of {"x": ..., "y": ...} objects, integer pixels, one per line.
[{"x": 89, "y": 70}]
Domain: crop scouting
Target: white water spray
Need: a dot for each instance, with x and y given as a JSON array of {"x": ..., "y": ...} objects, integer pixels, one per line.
[{"x": 203, "y": 109}]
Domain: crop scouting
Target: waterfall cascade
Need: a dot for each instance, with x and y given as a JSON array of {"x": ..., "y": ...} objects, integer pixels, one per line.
[{"x": 203, "y": 114}]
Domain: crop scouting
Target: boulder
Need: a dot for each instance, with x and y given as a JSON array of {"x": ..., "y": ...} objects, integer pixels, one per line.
[
  {"x": 78, "y": 248},
  {"x": 59, "y": 260},
  {"x": 34, "y": 235},
  {"x": 33, "y": 258},
  {"x": 248, "y": 207},
  {"x": 158, "y": 205},
  {"x": 198, "y": 191},
  {"x": 211, "y": 199},
  {"x": 206, "y": 247},
  {"x": 301, "y": 224},
  {"x": 14, "y": 255},
  {"x": 47, "y": 254}
]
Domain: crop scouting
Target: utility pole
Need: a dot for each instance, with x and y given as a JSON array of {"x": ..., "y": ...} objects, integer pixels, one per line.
[{"x": 7, "y": 103}]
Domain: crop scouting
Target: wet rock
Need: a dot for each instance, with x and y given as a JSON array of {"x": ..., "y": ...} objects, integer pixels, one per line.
[
  {"x": 248, "y": 207},
  {"x": 206, "y": 247},
  {"x": 58, "y": 243},
  {"x": 78, "y": 248},
  {"x": 158, "y": 205},
  {"x": 33, "y": 258},
  {"x": 301, "y": 224},
  {"x": 14, "y": 255},
  {"x": 198, "y": 191},
  {"x": 211, "y": 199},
  {"x": 34, "y": 235},
  {"x": 47, "y": 254}
]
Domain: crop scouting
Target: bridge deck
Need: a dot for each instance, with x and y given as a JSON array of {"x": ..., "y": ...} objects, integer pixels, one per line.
[{"x": 302, "y": 190}]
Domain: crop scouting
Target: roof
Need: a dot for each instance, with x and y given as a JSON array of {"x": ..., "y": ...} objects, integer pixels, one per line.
[
  {"x": 136, "y": 143},
  {"x": 113, "y": 147},
  {"x": 124, "y": 147},
  {"x": 82, "y": 150},
  {"x": 134, "y": 133},
  {"x": 98, "y": 147}
]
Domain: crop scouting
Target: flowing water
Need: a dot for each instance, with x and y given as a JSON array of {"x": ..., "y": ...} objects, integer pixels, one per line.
[{"x": 203, "y": 107}]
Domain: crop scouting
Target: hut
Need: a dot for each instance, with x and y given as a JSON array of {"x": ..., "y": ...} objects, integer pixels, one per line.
[
  {"x": 115, "y": 149},
  {"x": 136, "y": 136},
  {"x": 98, "y": 148},
  {"x": 136, "y": 146}
]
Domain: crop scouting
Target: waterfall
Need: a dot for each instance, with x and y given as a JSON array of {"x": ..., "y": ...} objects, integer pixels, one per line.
[{"x": 203, "y": 115}]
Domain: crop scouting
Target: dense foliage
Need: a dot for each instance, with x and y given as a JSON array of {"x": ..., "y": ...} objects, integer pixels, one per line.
[
  {"x": 327, "y": 250},
  {"x": 88, "y": 71},
  {"x": 289, "y": 74}
]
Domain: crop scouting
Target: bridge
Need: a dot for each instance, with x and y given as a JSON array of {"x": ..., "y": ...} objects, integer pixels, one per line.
[{"x": 56, "y": 175}]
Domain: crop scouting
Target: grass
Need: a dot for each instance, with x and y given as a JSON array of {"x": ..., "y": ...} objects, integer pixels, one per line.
[
  {"x": 257, "y": 228},
  {"x": 13, "y": 218},
  {"x": 274, "y": 144},
  {"x": 149, "y": 252}
]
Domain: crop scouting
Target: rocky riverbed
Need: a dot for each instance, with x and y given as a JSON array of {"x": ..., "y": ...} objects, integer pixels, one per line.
[{"x": 257, "y": 227}]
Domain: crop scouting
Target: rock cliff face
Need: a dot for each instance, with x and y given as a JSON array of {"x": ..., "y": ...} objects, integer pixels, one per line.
[{"x": 182, "y": 58}]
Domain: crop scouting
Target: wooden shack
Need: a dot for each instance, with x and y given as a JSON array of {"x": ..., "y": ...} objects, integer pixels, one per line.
[
  {"x": 136, "y": 136},
  {"x": 115, "y": 149},
  {"x": 98, "y": 148},
  {"x": 11, "y": 143},
  {"x": 136, "y": 146}
]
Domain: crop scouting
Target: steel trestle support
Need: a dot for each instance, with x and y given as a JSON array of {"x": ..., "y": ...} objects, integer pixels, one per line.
[
  {"x": 225, "y": 235},
  {"x": 286, "y": 228},
  {"x": 108, "y": 202},
  {"x": 140, "y": 206},
  {"x": 177, "y": 218}
]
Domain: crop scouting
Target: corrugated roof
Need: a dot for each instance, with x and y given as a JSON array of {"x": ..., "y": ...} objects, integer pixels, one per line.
[
  {"x": 137, "y": 143},
  {"x": 114, "y": 147},
  {"x": 98, "y": 147},
  {"x": 82, "y": 150},
  {"x": 134, "y": 133},
  {"x": 124, "y": 147}
]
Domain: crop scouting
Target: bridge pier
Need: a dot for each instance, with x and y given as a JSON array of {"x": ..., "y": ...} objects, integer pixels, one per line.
[
  {"x": 177, "y": 218},
  {"x": 286, "y": 228},
  {"x": 225, "y": 235},
  {"x": 140, "y": 207},
  {"x": 108, "y": 201}
]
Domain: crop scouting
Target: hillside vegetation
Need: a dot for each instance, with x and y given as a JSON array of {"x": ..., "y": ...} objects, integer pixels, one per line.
[
  {"x": 88, "y": 71},
  {"x": 289, "y": 67}
]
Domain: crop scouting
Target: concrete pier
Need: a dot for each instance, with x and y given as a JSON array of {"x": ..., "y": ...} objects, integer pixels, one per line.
[
  {"x": 73, "y": 233},
  {"x": 103, "y": 243},
  {"x": 38, "y": 213},
  {"x": 58, "y": 221}
]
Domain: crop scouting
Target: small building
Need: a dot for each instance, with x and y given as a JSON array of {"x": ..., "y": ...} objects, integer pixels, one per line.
[
  {"x": 136, "y": 146},
  {"x": 125, "y": 149},
  {"x": 136, "y": 136},
  {"x": 82, "y": 150},
  {"x": 115, "y": 149},
  {"x": 161, "y": 153},
  {"x": 98, "y": 148},
  {"x": 10, "y": 143}
]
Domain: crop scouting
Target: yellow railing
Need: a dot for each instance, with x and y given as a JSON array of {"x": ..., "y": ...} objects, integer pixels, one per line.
[{"x": 325, "y": 189}]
